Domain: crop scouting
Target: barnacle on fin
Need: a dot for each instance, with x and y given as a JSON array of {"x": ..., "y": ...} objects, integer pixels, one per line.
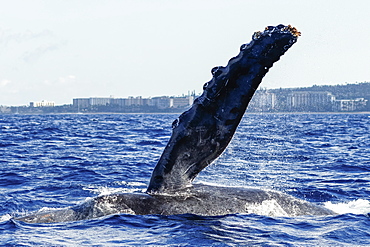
[
  {"x": 256, "y": 35},
  {"x": 293, "y": 30},
  {"x": 289, "y": 28}
]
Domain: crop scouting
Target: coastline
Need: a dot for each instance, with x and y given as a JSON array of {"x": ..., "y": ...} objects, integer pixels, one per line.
[{"x": 169, "y": 113}]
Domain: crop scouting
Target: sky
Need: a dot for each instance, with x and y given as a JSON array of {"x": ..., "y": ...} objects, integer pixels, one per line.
[{"x": 63, "y": 49}]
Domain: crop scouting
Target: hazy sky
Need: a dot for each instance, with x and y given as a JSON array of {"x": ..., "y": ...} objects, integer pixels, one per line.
[{"x": 63, "y": 49}]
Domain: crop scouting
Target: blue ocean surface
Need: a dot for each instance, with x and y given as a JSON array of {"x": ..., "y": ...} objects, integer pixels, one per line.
[{"x": 58, "y": 161}]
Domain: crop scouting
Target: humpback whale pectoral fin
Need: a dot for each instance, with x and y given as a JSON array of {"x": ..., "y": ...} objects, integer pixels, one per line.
[{"x": 203, "y": 132}]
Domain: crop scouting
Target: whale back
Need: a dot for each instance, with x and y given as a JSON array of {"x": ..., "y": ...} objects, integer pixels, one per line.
[{"x": 203, "y": 132}]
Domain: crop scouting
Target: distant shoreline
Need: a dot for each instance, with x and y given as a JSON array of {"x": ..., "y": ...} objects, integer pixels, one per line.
[{"x": 169, "y": 113}]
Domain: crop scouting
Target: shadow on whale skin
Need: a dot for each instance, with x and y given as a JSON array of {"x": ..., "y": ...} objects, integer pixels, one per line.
[{"x": 199, "y": 136}]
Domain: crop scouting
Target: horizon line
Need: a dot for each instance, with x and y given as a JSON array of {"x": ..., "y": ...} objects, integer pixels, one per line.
[{"x": 193, "y": 93}]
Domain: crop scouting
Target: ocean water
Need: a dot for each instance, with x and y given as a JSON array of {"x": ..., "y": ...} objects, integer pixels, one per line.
[{"x": 58, "y": 161}]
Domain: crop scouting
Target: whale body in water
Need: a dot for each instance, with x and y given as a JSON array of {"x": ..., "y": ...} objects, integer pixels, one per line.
[{"x": 199, "y": 136}]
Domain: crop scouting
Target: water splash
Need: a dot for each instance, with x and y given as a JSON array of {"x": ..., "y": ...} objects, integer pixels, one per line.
[
  {"x": 359, "y": 206},
  {"x": 5, "y": 217},
  {"x": 268, "y": 208}
]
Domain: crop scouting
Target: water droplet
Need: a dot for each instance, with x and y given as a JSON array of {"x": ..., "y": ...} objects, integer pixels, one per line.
[{"x": 175, "y": 123}]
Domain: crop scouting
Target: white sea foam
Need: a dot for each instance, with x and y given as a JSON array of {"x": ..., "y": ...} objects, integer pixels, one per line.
[
  {"x": 267, "y": 207},
  {"x": 359, "y": 206},
  {"x": 5, "y": 217},
  {"x": 48, "y": 209},
  {"x": 136, "y": 184},
  {"x": 104, "y": 190}
]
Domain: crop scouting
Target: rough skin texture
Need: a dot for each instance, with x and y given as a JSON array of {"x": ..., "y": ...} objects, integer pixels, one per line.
[
  {"x": 199, "y": 199},
  {"x": 203, "y": 132}
]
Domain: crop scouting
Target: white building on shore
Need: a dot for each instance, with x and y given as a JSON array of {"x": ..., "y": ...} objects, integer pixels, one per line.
[
  {"x": 42, "y": 103},
  {"x": 162, "y": 102}
]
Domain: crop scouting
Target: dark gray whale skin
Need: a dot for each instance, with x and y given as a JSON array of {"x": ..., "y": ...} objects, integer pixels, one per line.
[
  {"x": 199, "y": 136},
  {"x": 198, "y": 199},
  {"x": 203, "y": 132}
]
